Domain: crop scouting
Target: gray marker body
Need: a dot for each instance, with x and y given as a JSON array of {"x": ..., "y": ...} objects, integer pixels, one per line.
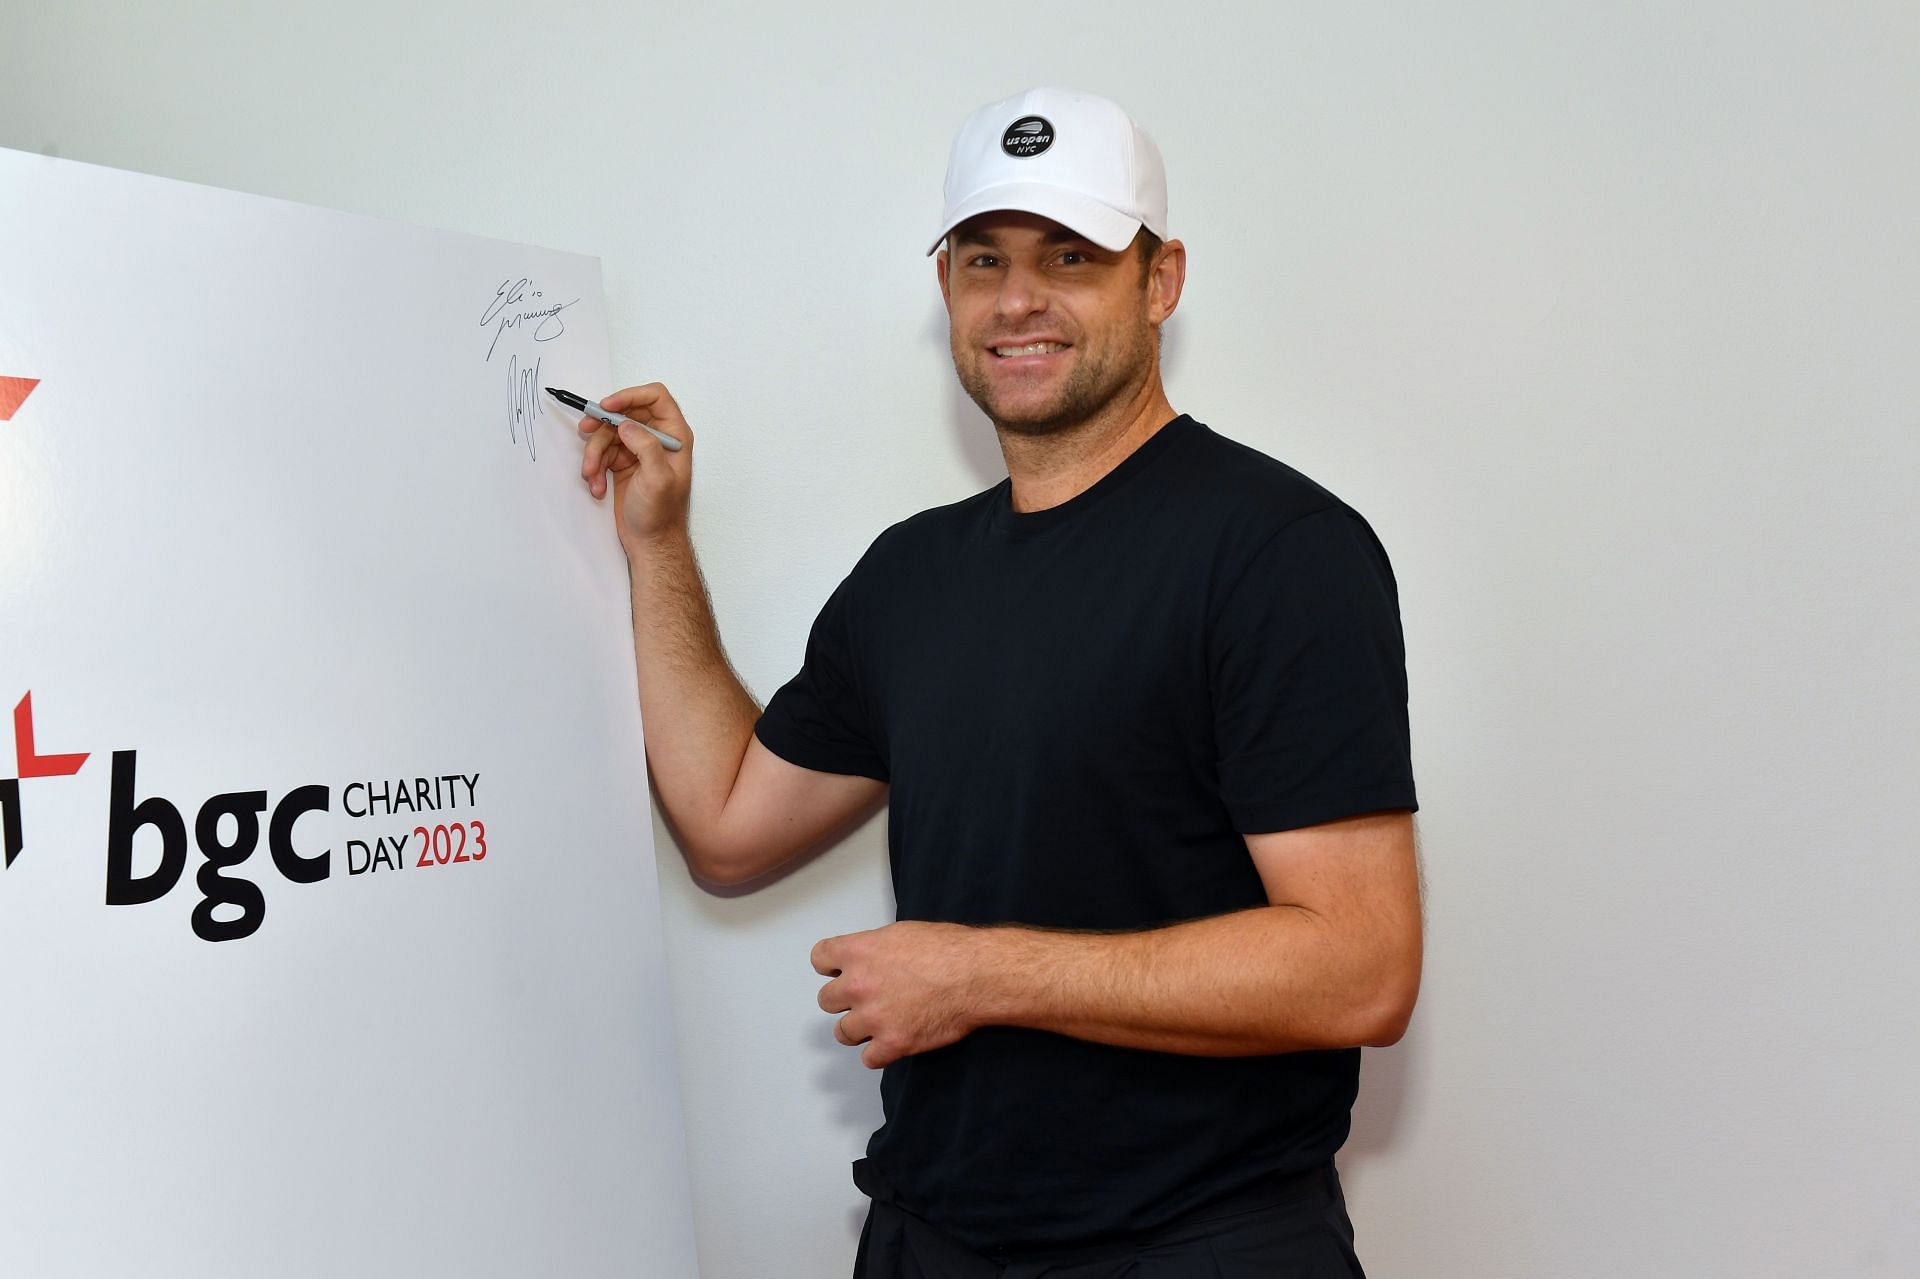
[{"x": 593, "y": 410}]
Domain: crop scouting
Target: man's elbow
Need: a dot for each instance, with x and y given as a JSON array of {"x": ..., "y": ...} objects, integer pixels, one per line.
[
  {"x": 720, "y": 865},
  {"x": 723, "y": 857},
  {"x": 1387, "y": 1026},
  {"x": 1385, "y": 1016},
  {"x": 713, "y": 857}
]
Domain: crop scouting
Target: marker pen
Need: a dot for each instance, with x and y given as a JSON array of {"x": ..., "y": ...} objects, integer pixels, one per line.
[{"x": 584, "y": 405}]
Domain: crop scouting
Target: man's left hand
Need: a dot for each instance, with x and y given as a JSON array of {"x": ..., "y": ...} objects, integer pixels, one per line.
[{"x": 907, "y": 988}]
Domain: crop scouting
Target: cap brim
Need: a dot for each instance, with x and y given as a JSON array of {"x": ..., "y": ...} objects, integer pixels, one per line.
[{"x": 1109, "y": 228}]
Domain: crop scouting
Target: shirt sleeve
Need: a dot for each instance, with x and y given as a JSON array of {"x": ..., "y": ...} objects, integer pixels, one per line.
[
  {"x": 1309, "y": 679},
  {"x": 819, "y": 719}
]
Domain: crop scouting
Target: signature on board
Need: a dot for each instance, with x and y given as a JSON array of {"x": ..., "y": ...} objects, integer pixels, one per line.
[
  {"x": 523, "y": 402},
  {"x": 522, "y": 306},
  {"x": 519, "y": 302}
]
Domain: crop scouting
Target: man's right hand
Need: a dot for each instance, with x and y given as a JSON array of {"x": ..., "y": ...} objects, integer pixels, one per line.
[{"x": 650, "y": 484}]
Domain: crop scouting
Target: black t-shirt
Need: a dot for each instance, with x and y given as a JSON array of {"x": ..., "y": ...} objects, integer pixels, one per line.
[{"x": 1079, "y": 712}]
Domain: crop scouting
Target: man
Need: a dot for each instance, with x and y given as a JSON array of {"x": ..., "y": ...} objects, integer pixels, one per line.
[{"x": 1140, "y": 715}]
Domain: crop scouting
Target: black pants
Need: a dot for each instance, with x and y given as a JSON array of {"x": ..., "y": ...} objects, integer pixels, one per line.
[{"x": 1297, "y": 1230}]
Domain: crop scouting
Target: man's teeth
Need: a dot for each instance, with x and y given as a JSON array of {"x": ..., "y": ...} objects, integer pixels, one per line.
[{"x": 1032, "y": 348}]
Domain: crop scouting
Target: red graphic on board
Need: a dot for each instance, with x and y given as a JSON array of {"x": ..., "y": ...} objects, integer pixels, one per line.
[
  {"x": 14, "y": 392},
  {"x": 32, "y": 765}
]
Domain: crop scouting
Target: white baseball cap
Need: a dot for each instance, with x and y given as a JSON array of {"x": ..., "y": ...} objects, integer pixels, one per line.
[{"x": 1071, "y": 157}]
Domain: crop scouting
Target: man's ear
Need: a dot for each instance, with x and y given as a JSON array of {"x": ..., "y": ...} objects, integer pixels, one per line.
[
  {"x": 1165, "y": 279},
  {"x": 940, "y": 269}
]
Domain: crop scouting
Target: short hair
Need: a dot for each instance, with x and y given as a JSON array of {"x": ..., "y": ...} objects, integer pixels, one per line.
[{"x": 1147, "y": 244}]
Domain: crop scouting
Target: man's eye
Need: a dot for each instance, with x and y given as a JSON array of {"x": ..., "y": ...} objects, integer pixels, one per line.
[
  {"x": 984, "y": 259},
  {"x": 1074, "y": 257}
]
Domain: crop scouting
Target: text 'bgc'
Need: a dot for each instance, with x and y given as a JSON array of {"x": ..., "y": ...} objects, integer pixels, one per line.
[{"x": 433, "y": 825}]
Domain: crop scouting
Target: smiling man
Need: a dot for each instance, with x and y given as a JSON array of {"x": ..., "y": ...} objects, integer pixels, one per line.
[{"x": 1139, "y": 712}]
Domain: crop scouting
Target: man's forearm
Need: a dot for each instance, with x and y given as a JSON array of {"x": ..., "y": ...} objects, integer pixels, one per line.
[
  {"x": 1332, "y": 962},
  {"x": 1272, "y": 979},
  {"x": 690, "y": 696}
]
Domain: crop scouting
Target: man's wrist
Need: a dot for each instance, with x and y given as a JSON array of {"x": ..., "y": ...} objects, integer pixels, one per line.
[
  {"x": 671, "y": 542},
  {"x": 1005, "y": 962}
]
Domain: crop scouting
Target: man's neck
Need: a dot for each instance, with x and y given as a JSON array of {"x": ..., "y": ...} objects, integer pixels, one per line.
[{"x": 1057, "y": 467}]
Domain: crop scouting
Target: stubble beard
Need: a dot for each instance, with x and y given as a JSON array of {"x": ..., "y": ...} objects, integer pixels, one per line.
[{"x": 1089, "y": 389}]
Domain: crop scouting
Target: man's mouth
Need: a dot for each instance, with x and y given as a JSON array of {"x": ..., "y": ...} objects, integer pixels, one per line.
[{"x": 1030, "y": 348}]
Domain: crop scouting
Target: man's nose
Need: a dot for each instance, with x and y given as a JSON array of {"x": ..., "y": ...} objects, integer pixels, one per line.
[{"x": 1023, "y": 291}]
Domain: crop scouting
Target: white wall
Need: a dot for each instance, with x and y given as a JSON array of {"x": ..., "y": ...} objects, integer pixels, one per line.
[{"x": 1606, "y": 317}]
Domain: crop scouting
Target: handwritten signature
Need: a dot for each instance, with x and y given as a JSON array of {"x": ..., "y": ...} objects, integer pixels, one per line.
[
  {"x": 515, "y": 303},
  {"x": 523, "y": 402}
]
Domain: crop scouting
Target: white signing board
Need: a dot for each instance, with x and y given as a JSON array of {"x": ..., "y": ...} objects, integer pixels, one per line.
[{"x": 329, "y": 932}]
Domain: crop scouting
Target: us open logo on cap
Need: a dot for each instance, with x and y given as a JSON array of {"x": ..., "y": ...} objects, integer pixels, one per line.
[{"x": 1027, "y": 136}]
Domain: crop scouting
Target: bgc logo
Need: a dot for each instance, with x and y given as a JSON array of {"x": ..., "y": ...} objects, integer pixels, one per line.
[{"x": 228, "y": 829}]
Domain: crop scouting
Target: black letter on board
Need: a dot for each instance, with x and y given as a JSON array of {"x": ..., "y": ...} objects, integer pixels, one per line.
[
  {"x": 216, "y": 889},
  {"x": 125, "y": 817},
  {"x": 301, "y": 870},
  {"x": 10, "y": 816}
]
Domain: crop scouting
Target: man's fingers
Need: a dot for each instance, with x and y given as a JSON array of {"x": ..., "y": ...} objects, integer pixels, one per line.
[
  {"x": 833, "y": 997},
  {"x": 640, "y": 441},
  {"x": 674, "y": 428},
  {"x": 831, "y": 954},
  {"x": 646, "y": 403},
  {"x": 850, "y": 1030},
  {"x": 653, "y": 405},
  {"x": 595, "y": 459}
]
